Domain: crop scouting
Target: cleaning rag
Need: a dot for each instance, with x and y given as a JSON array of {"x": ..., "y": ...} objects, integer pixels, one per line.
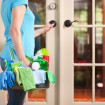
[
  {"x": 17, "y": 74},
  {"x": 16, "y": 64},
  {"x": 27, "y": 79},
  {"x": 39, "y": 76}
]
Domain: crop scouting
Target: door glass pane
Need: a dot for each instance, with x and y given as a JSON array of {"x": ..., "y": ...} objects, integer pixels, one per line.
[
  {"x": 38, "y": 7},
  {"x": 100, "y": 45},
  {"x": 82, "y": 84},
  {"x": 100, "y": 84},
  {"x": 82, "y": 45},
  {"x": 83, "y": 11},
  {"x": 100, "y": 11}
]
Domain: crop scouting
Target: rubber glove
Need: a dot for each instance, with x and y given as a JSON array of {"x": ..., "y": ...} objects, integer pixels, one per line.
[
  {"x": 3, "y": 79},
  {"x": 51, "y": 76},
  {"x": 10, "y": 78}
]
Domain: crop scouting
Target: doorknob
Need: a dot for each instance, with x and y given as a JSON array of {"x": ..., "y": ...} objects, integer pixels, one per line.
[
  {"x": 53, "y": 21},
  {"x": 68, "y": 23}
]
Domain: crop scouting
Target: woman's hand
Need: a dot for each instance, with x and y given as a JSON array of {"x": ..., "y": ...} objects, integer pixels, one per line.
[
  {"x": 26, "y": 62},
  {"x": 47, "y": 27},
  {"x": 43, "y": 30}
]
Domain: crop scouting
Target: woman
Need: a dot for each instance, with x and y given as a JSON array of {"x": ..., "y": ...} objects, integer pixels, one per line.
[{"x": 19, "y": 33}]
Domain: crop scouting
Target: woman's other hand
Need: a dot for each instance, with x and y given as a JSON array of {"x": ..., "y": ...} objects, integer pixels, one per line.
[
  {"x": 47, "y": 27},
  {"x": 43, "y": 30}
]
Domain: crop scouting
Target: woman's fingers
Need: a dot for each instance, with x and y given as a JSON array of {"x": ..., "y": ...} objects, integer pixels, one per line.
[{"x": 47, "y": 27}]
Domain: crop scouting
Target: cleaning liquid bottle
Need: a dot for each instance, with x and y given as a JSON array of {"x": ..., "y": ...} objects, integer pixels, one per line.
[{"x": 43, "y": 63}]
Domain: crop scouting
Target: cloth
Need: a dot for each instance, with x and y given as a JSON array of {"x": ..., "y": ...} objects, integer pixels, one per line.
[
  {"x": 18, "y": 79},
  {"x": 27, "y": 28},
  {"x": 27, "y": 79},
  {"x": 16, "y": 64},
  {"x": 39, "y": 76},
  {"x": 16, "y": 97},
  {"x": 51, "y": 76}
]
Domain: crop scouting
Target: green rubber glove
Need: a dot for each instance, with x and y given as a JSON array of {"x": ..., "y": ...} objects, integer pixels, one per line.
[{"x": 51, "y": 76}]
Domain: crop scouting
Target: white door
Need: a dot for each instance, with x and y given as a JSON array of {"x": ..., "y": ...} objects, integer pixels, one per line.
[
  {"x": 38, "y": 97},
  {"x": 82, "y": 52}
]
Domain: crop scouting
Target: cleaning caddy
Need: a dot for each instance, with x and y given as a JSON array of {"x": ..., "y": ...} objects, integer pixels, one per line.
[{"x": 17, "y": 76}]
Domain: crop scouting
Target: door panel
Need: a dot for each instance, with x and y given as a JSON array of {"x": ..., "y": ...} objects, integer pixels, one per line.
[{"x": 82, "y": 53}]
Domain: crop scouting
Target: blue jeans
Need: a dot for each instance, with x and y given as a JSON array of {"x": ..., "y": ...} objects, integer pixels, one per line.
[{"x": 16, "y": 97}]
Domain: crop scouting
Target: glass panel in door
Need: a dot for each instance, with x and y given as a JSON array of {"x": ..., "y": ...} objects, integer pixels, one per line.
[
  {"x": 82, "y": 84},
  {"x": 100, "y": 84}
]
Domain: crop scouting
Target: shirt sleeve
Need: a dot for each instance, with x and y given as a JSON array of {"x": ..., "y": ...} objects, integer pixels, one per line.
[{"x": 19, "y": 2}]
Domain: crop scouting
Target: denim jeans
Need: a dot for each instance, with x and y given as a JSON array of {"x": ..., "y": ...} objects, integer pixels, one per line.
[{"x": 16, "y": 97}]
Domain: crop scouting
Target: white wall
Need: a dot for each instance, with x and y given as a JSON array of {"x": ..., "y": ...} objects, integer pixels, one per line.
[
  {"x": 2, "y": 42},
  {"x": 2, "y": 39}
]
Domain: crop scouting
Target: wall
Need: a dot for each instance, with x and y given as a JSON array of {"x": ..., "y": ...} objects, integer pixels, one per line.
[
  {"x": 2, "y": 42},
  {"x": 2, "y": 39}
]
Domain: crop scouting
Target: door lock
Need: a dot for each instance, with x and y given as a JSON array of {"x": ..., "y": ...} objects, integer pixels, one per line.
[{"x": 52, "y": 6}]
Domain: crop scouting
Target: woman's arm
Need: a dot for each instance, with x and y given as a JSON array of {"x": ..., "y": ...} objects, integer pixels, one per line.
[
  {"x": 15, "y": 33},
  {"x": 43, "y": 30}
]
